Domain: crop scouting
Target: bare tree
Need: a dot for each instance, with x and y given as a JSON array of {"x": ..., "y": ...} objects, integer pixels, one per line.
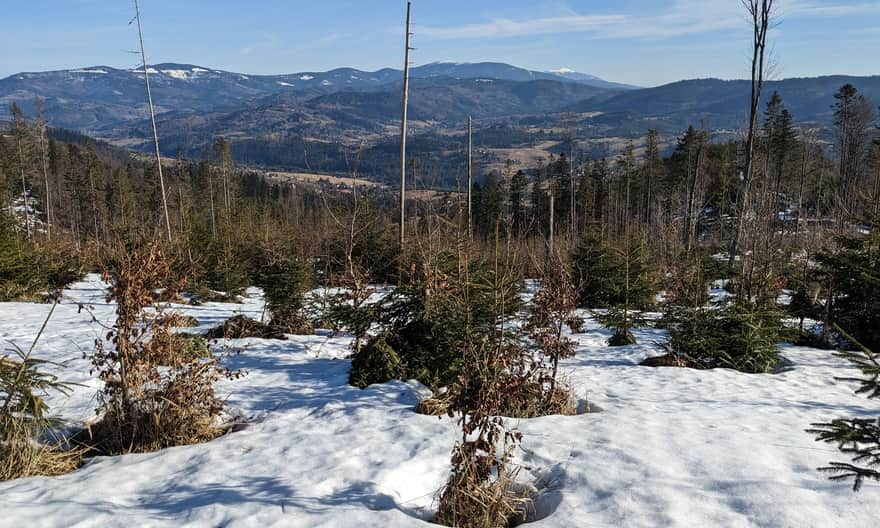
[
  {"x": 20, "y": 130},
  {"x": 761, "y": 14},
  {"x": 808, "y": 140}
]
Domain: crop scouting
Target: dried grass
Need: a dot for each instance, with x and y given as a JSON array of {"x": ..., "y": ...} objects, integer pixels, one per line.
[
  {"x": 522, "y": 400},
  {"x": 177, "y": 320},
  {"x": 533, "y": 400},
  {"x": 241, "y": 327},
  {"x": 434, "y": 406},
  {"x": 480, "y": 494},
  {"x": 666, "y": 360},
  {"x": 181, "y": 411},
  {"x": 22, "y": 456}
]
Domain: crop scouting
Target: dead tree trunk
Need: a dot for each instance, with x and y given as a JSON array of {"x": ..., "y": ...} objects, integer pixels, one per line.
[
  {"x": 153, "y": 120},
  {"x": 403, "y": 125},
  {"x": 470, "y": 179},
  {"x": 45, "y": 179}
]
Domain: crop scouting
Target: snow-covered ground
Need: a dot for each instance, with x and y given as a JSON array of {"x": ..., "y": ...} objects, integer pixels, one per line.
[{"x": 665, "y": 447}]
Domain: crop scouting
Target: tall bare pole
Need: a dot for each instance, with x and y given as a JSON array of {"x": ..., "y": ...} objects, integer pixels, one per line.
[
  {"x": 552, "y": 215},
  {"x": 470, "y": 178},
  {"x": 571, "y": 126},
  {"x": 403, "y": 125},
  {"x": 137, "y": 10},
  {"x": 41, "y": 123}
]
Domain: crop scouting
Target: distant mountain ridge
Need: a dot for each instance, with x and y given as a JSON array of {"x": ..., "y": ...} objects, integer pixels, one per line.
[
  {"x": 347, "y": 107},
  {"x": 723, "y": 103},
  {"x": 91, "y": 98}
]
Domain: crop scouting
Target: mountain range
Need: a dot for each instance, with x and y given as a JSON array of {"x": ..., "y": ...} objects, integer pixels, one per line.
[{"x": 347, "y": 106}]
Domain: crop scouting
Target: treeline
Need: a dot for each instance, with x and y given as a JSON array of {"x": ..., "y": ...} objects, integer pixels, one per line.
[
  {"x": 84, "y": 196},
  {"x": 88, "y": 193},
  {"x": 697, "y": 187},
  {"x": 440, "y": 158}
]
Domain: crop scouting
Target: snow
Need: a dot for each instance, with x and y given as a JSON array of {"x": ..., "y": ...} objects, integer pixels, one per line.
[
  {"x": 182, "y": 75},
  {"x": 563, "y": 71},
  {"x": 282, "y": 83},
  {"x": 151, "y": 71},
  {"x": 200, "y": 70},
  {"x": 306, "y": 78},
  {"x": 326, "y": 83},
  {"x": 666, "y": 447}
]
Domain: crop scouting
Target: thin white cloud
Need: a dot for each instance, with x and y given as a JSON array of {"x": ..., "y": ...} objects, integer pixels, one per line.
[
  {"x": 680, "y": 17},
  {"x": 519, "y": 28},
  {"x": 808, "y": 8},
  {"x": 676, "y": 19}
]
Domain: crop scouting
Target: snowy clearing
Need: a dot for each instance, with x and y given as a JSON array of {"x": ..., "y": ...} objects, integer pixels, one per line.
[{"x": 667, "y": 447}]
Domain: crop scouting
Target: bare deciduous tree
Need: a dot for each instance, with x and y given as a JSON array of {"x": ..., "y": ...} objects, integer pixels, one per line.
[{"x": 761, "y": 14}]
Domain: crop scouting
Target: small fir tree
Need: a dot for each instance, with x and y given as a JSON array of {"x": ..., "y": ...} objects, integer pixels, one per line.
[{"x": 858, "y": 438}]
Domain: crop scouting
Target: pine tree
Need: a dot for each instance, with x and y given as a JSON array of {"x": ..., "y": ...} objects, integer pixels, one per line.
[
  {"x": 859, "y": 438},
  {"x": 852, "y": 115},
  {"x": 599, "y": 175},
  {"x": 488, "y": 207},
  {"x": 621, "y": 317},
  {"x": 606, "y": 275},
  {"x": 741, "y": 335},
  {"x": 540, "y": 201},
  {"x": 780, "y": 137},
  {"x": 560, "y": 175},
  {"x": 852, "y": 279},
  {"x": 518, "y": 185},
  {"x": 652, "y": 173}
]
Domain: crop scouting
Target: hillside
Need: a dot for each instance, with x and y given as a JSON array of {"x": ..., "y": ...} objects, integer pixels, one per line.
[
  {"x": 322, "y": 113},
  {"x": 724, "y": 104}
]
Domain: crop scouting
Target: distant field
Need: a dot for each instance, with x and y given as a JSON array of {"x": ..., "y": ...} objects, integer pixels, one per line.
[{"x": 315, "y": 178}]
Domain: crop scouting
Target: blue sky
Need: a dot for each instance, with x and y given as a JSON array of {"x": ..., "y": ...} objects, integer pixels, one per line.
[{"x": 644, "y": 42}]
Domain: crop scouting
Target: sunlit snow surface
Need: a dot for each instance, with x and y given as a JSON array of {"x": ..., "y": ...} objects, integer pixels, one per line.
[{"x": 668, "y": 447}]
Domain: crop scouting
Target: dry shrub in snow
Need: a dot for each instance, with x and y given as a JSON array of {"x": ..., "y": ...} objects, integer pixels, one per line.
[
  {"x": 24, "y": 420},
  {"x": 243, "y": 327},
  {"x": 554, "y": 308},
  {"x": 142, "y": 406},
  {"x": 177, "y": 320},
  {"x": 481, "y": 492}
]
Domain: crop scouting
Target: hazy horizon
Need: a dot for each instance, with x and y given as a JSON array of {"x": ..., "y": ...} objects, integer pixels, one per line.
[{"x": 640, "y": 42}]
